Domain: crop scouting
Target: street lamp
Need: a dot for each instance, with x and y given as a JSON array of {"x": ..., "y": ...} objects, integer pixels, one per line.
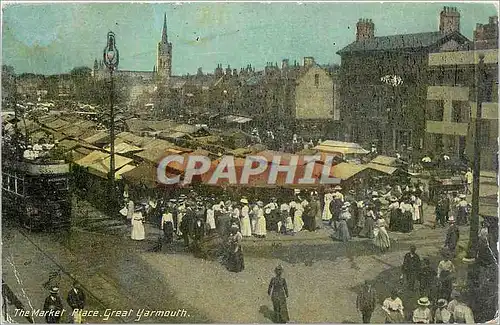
[
  {"x": 394, "y": 81},
  {"x": 474, "y": 220},
  {"x": 111, "y": 59}
]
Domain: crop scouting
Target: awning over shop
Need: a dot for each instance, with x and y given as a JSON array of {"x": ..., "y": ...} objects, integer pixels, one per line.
[{"x": 345, "y": 148}]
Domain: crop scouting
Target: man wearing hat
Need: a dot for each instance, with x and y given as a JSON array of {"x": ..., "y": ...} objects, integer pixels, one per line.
[
  {"x": 463, "y": 210},
  {"x": 460, "y": 312},
  {"x": 366, "y": 301},
  {"x": 53, "y": 306},
  {"x": 442, "y": 210},
  {"x": 411, "y": 267},
  {"x": 442, "y": 315},
  {"x": 336, "y": 206},
  {"x": 422, "y": 315},
  {"x": 167, "y": 222},
  {"x": 452, "y": 236}
]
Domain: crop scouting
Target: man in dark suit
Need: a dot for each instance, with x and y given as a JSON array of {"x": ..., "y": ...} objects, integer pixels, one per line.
[
  {"x": 366, "y": 302},
  {"x": 411, "y": 267},
  {"x": 76, "y": 297},
  {"x": 53, "y": 306}
]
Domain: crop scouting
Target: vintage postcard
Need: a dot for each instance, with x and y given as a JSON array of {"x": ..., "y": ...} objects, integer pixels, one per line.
[{"x": 246, "y": 162}]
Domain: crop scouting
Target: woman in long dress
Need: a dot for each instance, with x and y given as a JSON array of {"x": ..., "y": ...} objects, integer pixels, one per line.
[
  {"x": 246, "y": 229},
  {"x": 298, "y": 222},
  {"x": 360, "y": 222},
  {"x": 416, "y": 210},
  {"x": 289, "y": 218},
  {"x": 278, "y": 291},
  {"x": 236, "y": 262},
  {"x": 138, "y": 232},
  {"x": 381, "y": 239},
  {"x": 210, "y": 218},
  {"x": 369, "y": 222},
  {"x": 260, "y": 227},
  {"x": 327, "y": 214},
  {"x": 394, "y": 214},
  {"x": 253, "y": 218},
  {"x": 343, "y": 230}
]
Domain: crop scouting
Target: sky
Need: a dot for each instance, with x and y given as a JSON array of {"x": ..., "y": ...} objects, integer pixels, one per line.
[{"x": 54, "y": 38}]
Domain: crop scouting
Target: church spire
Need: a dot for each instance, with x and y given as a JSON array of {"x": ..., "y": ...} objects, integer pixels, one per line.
[{"x": 164, "y": 31}]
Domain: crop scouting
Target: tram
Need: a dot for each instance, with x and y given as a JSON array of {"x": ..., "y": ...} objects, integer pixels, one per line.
[{"x": 36, "y": 193}]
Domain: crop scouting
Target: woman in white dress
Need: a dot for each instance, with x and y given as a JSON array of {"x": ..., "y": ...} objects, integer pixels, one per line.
[
  {"x": 210, "y": 214},
  {"x": 260, "y": 227},
  {"x": 138, "y": 232},
  {"x": 181, "y": 212},
  {"x": 289, "y": 220},
  {"x": 246, "y": 229},
  {"x": 327, "y": 214},
  {"x": 298, "y": 222},
  {"x": 381, "y": 239},
  {"x": 415, "y": 210}
]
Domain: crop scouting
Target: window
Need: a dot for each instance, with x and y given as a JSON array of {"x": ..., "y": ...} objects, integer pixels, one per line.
[
  {"x": 435, "y": 110},
  {"x": 316, "y": 80},
  {"x": 460, "y": 112},
  {"x": 485, "y": 133}
]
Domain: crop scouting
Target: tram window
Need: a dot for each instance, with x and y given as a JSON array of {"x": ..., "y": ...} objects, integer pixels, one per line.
[
  {"x": 20, "y": 186},
  {"x": 5, "y": 182},
  {"x": 10, "y": 183}
]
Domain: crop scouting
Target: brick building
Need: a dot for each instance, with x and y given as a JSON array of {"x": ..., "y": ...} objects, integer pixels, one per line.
[{"x": 374, "y": 109}]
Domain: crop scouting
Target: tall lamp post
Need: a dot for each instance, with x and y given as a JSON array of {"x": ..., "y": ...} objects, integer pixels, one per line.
[
  {"x": 474, "y": 220},
  {"x": 111, "y": 59}
]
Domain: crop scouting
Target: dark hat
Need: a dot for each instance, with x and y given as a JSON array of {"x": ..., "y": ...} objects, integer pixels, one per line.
[
  {"x": 278, "y": 269},
  {"x": 441, "y": 303}
]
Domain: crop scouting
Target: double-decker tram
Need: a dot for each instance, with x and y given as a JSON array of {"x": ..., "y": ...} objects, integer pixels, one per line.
[{"x": 36, "y": 193}]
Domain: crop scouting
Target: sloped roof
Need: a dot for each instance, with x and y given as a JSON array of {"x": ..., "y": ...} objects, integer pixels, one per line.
[
  {"x": 381, "y": 168},
  {"x": 134, "y": 139},
  {"x": 99, "y": 136},
  {"x": 124, "y": 148},
  {"x": 344, "y": 171},
  {"x": 331, "y": 146},
  {"x": 236, "y": 119},
  {"x": 385, "y": 160},
  {"x": 399, "y": 42}
]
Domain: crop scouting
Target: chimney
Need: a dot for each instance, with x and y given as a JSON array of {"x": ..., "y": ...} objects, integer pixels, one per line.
[
  {"x": 284, "y": 64},
  {"x": 308, "y": 61},
  {"x": 449, "y": 20},
  {"x": 365, "y": 29},
  {"x": 228, "y": 70},
  {"x": 493, "y": 20}
]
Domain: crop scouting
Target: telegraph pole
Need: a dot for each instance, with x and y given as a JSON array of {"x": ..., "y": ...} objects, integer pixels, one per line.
[
  {"x": 111, "y": 60},
  {"x": 474, "y": 219}
]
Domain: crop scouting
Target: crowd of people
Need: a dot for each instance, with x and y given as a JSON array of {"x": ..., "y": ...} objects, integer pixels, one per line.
[{"x": 368, "y": 213}]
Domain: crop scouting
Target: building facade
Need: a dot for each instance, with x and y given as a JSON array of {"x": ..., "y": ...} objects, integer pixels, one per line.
[
  {"x": 451, "y": 105},
  {"x": 383, "y": 82}
]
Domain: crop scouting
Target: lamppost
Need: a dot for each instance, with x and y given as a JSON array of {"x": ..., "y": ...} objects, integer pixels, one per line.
[
  {"x": 474, "y": 220},
  {"x": 111, "y": 59},
  {"x": 394, "y": 81}
]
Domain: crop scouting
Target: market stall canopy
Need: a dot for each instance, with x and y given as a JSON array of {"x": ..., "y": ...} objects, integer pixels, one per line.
[
  {"x": 386, "y": 161},
  {"x": 236, "y": 119},
  {"x": 345, "y": 148},
  {"x": 384, "y": 169},
  {"x": 98, "y": 162},
  {"x": 124, "y": 148},
  {"x": 345, "y": 171}
]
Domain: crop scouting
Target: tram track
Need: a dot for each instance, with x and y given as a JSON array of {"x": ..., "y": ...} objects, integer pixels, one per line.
[{"x": 63, "y": 270}]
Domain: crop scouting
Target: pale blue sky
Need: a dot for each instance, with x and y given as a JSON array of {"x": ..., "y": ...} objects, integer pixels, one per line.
[{"x": 54, "y": 38}]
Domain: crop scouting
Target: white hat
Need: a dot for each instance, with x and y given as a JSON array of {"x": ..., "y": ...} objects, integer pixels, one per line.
[
  {"x": 296, "y": 191},
  {"x": 424, "y": 301},
  {"x": 374, "y": 193},
  {"x": 462, "y": 196},
  {"x": 338, "y": 188},
  {"x": 346, "y": 205},
  {"x": 244, "y": 201},
  {"x": 451, "y": 219}
]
